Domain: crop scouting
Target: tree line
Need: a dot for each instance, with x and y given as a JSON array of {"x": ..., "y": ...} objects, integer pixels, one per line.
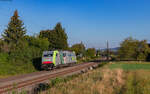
[{"x": 130, "y": 49}]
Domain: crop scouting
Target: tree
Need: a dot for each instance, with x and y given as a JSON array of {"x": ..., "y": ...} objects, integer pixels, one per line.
[
  {"x": 61, "y": 37},
  {"x": 15, "y": 31},
  {"x": 98, "y": 52},
  {"x": 41, "y": 43},
  {"x": 127, "y": 49},
  {"x": 143, "y": 50},
  {"x": 57, "y": 37},
  {"x": 4, "y": 47},
  {"x": 49, "y": 34},
  {"x": 78, "y": 48},
  {"x": 132, "y": 49},
  {"x": 90, "y": 52}
]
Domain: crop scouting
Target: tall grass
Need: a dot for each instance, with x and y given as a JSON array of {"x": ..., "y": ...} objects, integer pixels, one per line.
[
  {"x": 137, "y": 82},
  {"x": 137, "y": 77},
  {"x": 113, "y": 78},
  {"x": 99, "y": 81}
]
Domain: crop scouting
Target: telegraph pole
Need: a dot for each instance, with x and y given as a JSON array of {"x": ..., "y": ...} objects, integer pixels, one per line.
[{"x": 107, "y": 51}]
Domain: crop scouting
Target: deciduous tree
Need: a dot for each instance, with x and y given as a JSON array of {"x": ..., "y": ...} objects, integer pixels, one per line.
[
  {"x": 79, "y": 48},
  {"x": 90, "y": 52},
  {"x": 57, "y": 37},
  {"x": 132, "y": 49}
]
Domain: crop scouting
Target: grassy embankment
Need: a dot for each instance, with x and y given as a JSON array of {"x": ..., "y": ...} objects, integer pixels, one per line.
[{"x": 114, "y": 78}]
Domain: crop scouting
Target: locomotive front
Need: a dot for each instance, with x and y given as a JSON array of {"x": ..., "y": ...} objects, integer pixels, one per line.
[{"x": 47, "y": 60}]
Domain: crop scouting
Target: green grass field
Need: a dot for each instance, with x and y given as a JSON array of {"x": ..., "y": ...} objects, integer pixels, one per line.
[{"x": 130, "y": 65}]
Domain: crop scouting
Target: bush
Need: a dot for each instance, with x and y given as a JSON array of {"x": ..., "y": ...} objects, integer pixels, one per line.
[{"x": 3, "y": 57}]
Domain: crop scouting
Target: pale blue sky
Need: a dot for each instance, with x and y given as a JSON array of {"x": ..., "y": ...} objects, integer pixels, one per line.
[{"x": 91, "y": 21}]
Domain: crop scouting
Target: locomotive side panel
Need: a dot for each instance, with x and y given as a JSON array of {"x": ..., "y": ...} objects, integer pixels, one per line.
[{"x": 69, "y": 57}]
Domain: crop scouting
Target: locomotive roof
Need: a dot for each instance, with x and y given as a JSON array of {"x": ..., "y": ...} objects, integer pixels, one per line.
[{"x": 57, "y": 50}]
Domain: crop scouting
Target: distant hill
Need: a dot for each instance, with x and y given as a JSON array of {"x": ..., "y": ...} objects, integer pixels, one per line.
[
  {"x": 111, "y": 49},
  {"x": 114, "y": 49}
]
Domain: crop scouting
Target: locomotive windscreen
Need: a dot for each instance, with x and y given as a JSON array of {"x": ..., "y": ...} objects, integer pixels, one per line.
[{"x": 47, "y": 54}]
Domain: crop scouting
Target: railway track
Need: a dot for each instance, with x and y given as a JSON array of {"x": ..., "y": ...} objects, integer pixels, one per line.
[{"x": 7, "y": 85}]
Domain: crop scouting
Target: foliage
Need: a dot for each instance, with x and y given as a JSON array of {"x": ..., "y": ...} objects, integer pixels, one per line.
[
  {"x": 132, "y": 49},
  {"x": 57, "y": 37},
  {"x": 4, "y": 57},
  {"x": 98, "y": 52},
  {"x": 49, "y": 34},
  {"x": 15, "y": 31},
  {"x": 4, "y": 47},
  {"x": 90, "y": 52},
  {"x": 61, "y": 37},
  {"x": 40, "y": 43},
  {"x": 78, "y": 48}
]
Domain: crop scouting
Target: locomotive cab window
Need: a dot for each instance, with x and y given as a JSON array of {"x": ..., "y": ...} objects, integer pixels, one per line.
[{"x": 48, "y": 55}]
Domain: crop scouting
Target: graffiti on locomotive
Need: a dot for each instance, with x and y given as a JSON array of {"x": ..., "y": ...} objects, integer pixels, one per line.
[{"x": 52, "y": 59}]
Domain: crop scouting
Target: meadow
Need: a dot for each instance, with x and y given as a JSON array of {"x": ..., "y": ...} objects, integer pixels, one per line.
[
  {"x": 130, "y": 65},
  {"x": 112, "y": 78}
]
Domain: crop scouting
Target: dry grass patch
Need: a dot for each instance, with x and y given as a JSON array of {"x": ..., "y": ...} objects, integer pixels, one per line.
[{"x": 112, "y": 81}]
